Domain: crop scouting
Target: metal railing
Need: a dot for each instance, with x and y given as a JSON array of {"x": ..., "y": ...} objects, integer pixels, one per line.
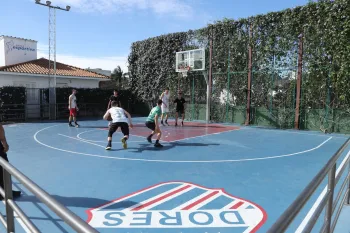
[
  {"x": 69, "y": 217},
  {"x": 327, "y": 201}
]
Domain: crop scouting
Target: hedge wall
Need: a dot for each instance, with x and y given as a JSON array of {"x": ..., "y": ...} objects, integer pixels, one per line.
[{"x": 273, "y": 37}]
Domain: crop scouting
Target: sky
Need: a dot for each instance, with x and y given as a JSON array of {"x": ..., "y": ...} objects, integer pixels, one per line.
[{"x": 99, "y": 33}]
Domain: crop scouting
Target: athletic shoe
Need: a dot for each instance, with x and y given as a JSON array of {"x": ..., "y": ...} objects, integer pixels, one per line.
[
  {"x": 70, "y": 125},
  {"x": 166, "y": 122},
  {"x": 176, "y": 124},
  {"x": 158, "y": 144},
  {"x": 76, "y": 125},
  {"x": 109, "y": 146},
  {"x": 149, "y": 139},
  {"x": 125, "y": 145}
]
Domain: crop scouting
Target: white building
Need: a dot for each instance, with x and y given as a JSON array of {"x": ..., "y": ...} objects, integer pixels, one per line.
[{"x": 19, "y": 66}]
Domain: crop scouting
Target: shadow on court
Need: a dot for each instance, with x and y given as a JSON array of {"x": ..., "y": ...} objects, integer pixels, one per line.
[{"x": 169, "y": 146}]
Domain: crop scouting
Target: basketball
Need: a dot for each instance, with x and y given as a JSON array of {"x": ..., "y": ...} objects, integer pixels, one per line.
[{"x": 109, "y": 118}]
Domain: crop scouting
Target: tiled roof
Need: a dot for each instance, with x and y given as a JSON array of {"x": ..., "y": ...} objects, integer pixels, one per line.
[{"x": 41, "y": 66}]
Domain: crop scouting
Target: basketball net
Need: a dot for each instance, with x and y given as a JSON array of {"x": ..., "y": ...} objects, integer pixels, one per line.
[{"x": 185, "y": 71}]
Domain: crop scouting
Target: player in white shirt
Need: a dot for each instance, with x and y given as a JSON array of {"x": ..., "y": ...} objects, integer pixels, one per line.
[
  {"x": 118, "y": 118},
  {"x": 165, "y": 105},
  {"x": 73, "y": 108}
]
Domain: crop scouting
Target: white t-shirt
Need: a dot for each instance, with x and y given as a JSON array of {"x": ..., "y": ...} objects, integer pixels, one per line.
[
  {"x": 118, "y": 115},
  {"x": 165, "y": 99},
  {"x": 73, "y": 103}
]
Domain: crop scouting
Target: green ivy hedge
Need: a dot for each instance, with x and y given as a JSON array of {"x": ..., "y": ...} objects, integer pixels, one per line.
[{"x": 323, "y": 25}]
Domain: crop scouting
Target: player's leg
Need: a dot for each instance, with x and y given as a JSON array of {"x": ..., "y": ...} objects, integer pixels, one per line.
[
  {"x": 151, "y": 126},
  {"x": 159, "y": 135},
  {"x": 166, "y": 116},
  {"x": 70, "y": 117},
  {"x": 125, "y": 130},
  {"x": 112, "y": 128},
  {"x": 183, "y": 116},
  {"x": 15, "y": 194},
  {"x": 176, "y": 116},
  {"x": 74, "y": 114}
]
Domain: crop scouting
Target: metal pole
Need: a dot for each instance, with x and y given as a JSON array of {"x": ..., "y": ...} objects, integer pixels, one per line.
[
  {"x": 54, "y": 62},
  {"x": 329, "y": 210},
  {"x": 210, "y": 76},
  {"x": 250, "y": 57},
  {"x": 228, "y": 83},
  {"x": 192, "y": 97},
  {"x": 8, "y": 196},
  {"x": 300, "y": 70}
]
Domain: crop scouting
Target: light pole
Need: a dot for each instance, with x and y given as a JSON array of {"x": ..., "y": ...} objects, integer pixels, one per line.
[{"x": 52, "y": 51}]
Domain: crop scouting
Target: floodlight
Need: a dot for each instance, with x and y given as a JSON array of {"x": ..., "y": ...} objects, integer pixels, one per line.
[
  {"x": 37, "y": 1},
  {"x": 48, "y": 3},
  {"x": 67, "y": 8}
]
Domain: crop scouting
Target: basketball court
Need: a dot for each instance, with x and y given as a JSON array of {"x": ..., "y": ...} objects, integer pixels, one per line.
[{"x": 206, "y": 178}]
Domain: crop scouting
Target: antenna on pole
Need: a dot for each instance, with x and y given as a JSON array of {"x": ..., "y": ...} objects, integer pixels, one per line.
[{"x": 52, "y": 53}]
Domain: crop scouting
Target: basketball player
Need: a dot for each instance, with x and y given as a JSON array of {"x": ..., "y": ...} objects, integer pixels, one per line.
[
  {"x": 180, "y": 108},
  {"x": 116, "y": 98},
  {"x": 153, "y": 123},
  {"x": 73, "y": 108},
  {"x": 4, "y": 147},
  {"x": 118, "y": 120},
  {"x": 165, "y": 106}
]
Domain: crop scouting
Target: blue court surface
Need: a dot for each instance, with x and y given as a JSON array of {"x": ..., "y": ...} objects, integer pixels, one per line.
[{"x": 206, "y": 178}]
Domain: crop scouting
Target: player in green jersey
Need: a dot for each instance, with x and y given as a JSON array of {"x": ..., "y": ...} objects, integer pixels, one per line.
[{"x": 153, "y": 123}]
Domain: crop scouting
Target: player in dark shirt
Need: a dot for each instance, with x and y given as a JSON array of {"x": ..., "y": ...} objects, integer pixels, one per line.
[
  {"x": 114, "y": 97},
  {"x": 180, "y": 108}
]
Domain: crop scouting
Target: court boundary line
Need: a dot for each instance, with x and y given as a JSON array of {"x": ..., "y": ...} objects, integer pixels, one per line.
[
  {"x": 313, "y": 208},
  {"x": 78, "y": 136},
  {"x": 173, "y": 161}
]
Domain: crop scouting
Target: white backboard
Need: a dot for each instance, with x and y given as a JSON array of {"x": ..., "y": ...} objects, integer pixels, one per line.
[{"x": 193, "y": 58}]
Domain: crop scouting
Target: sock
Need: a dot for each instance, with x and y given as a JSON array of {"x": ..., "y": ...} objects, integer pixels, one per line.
[
  {"x": 109, "y": 143},
  {"x": 157, "y": 141},
  {"x": 151, "y": 135}
]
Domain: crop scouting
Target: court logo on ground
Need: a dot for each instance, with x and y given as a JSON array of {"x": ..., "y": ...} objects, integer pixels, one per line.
[{"x": 179, "y": 205}]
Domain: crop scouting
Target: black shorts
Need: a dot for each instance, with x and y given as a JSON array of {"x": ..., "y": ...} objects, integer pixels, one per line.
[
  {"x": 123, "y": 126},
  {"x": 151, "y": 125},
  {"x": 180, "y": 110}
]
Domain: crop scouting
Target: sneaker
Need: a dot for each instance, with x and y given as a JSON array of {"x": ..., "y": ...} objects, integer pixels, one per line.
[
  {"x": 158, "y": 145},
  {"x": 76, "y": 125},
  {"x": 70, "y": 125},
  {"x": 125, "y": 145},
  {"x": 149, "y": 139},
  {"x": 166, "y": 122},
  {"x": 108, "y": 147},
  {"x": 176, "y": 124}
]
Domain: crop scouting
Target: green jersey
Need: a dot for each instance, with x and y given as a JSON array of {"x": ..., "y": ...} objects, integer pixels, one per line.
[{"x": 155, "y": 111}]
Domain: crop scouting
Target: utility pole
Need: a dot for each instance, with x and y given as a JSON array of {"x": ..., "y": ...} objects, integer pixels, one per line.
[{"x": 52, "y": 52}]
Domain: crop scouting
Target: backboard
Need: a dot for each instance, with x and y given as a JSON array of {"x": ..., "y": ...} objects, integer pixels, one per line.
[{"x": 195, "y": 59}]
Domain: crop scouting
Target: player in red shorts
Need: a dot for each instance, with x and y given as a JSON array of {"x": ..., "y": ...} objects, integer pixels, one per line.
[{"x": 73, "y": 108}]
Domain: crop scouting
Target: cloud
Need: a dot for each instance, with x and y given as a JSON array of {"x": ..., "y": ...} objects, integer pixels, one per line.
[
  {"x": 178, "y": 8},
  {"x": 105, "y": 63}
]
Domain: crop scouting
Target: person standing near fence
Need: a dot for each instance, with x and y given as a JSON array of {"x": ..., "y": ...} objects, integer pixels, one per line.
[
  {"x": 73, "y": 108},
  {"x": 165, "y": 106},
  {"x": 115, "y": 97},
  {"x": 180, "y": 108},
  {"x": 4, "y": 147}
]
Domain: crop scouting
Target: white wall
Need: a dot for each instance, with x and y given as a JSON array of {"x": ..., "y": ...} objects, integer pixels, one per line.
[
  {"x": 2, "y": 52},
  {"x": 42, "y": 81},
  {"x": 17, "y": 50}
]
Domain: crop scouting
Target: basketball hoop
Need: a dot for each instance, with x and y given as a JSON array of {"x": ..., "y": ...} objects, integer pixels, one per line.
[{"x": 185, "y": 71}]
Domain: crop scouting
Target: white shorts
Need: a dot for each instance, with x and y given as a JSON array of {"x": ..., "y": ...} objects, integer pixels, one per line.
[{"x": 165, "y": 109}]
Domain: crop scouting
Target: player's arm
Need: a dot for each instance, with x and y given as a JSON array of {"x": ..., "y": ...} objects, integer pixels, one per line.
[
  {"x": 156, "y": 121},
  {"x": 3, "y": 138},
  {"x": 109, "y": 104},
  {"x": 69, "y": 102},
  {"x": 129, "y": 117},
  {"x": 106, "y": 116}
]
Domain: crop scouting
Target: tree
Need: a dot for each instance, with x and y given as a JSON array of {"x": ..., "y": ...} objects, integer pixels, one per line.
[{"x": 117, "y": 75}]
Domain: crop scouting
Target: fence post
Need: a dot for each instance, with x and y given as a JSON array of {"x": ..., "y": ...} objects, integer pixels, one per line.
[
  {"x": 300, "y": 73},
  {"x": 210, "y": 75},
  {"x": 192, "y": 98},
  {"x": 8, "y": 195},
  {"x": 250, "y": 57}
]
